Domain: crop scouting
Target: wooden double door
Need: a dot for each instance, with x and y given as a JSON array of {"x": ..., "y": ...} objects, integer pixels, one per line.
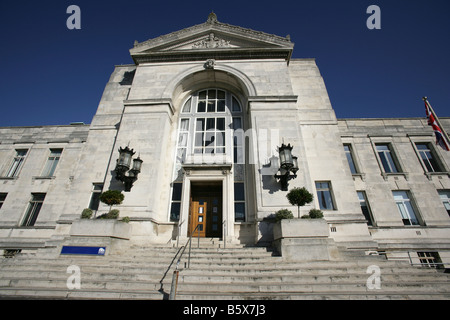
[{"x": 206, "y": 211}]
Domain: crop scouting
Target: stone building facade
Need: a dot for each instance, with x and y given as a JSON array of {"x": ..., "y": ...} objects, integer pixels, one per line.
[{"x": 206, "y": 109}]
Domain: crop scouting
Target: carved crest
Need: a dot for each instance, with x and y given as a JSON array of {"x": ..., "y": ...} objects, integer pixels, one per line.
[
  {"x": 210, "y": 63},
  {"x": 211, "y": 42}
]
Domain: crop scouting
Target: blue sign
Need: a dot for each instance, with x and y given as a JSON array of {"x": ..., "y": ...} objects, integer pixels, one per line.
[{"x": 96, "y": 251}]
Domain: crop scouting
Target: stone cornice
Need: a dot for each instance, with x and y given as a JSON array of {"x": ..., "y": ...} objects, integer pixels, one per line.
[{"x": 219, "y": 54}]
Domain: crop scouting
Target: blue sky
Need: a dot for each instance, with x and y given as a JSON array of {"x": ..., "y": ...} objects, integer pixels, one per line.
[{"x": 53, "y": 75}]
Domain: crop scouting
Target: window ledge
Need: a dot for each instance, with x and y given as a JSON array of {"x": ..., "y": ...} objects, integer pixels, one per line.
[
  {"x": 9, "y": 178},
  {"x": 395, "y": 174},
  {"x": 362, "y": 176},
  {"x": 43, "y": 177},
  {"x": 431, "y": 174}
]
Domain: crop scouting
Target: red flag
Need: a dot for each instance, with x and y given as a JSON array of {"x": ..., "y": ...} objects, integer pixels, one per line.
[{"x": 440, "y": 140}]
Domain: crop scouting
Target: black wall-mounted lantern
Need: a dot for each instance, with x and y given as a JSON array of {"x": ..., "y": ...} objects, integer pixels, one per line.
[
  {"x": 288, "y": 164},
  {"x": 123, "y": 167}
]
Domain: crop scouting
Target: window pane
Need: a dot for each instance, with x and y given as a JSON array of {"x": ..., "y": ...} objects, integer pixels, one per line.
[
  {"x": 17, "y": 163},
  {"x": 184, "y": 125},
  {"x": 220, "y": 124},
  {"x": 200, "y": 124},
  {"x": 2, "y": 198},
  {"x": 386, "y": 158},
  {"x": 239, "y": 211},
  {"x": 427, "y": 157},
  {"x": 445, "y": 198},
  {"x": 202, "y": 95},
  {"x": 33, "y": 210},
  {"x": 239, "y": 192},
  {"x": 187, "y": 106},
  {"x": 220, "y": 94},
  {"x": 211, "y": 106},
  {"x": 324, "y": 196},
  {"x": 364, "y": 207},
  {"x": 176, "y": 193},
  {"x": 211, "y": 94},
  {"x": 210, "y": 123},
  {"x": 349, "y": 155},
  {"x": 209, "y": 140},
  {"x": 405, "y": 208},
  {"x": 95, "y": 201},
  {"x": 220, "y": 139},
  {"x": 236, "y": 106},
  {"x": 237, "y": 123},
  {"x": 175, "y": 211},
  {"x": 201, "y": 107},
  {"x": 182, "y": 139},
  {"x": 199, "y": 139},
  {"x": 220, "y": 105}
]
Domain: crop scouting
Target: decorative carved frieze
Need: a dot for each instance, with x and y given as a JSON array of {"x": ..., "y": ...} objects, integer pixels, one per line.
[{"x": 211, "y": 42}]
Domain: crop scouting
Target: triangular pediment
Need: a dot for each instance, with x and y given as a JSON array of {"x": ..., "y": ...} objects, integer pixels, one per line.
[{"x": 212, "y": 39}]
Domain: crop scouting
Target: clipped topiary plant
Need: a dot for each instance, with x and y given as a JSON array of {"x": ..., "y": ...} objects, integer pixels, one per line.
[
  {"x": 315, "y": 214},
  {"x": 86, "y": 213},
  {"x": 283, "y": 214},
  {"x": 299, "y": 197},
  {"x": 113, "y": 214},
  {"x": 112, "y": 197}
]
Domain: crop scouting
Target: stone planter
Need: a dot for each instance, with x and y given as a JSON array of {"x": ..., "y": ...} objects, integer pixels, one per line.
[
  {"x": 304, "y": 240},
  {"x": 101, "y": 228}
]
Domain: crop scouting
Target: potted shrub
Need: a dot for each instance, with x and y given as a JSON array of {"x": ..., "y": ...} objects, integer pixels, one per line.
[
  {"x": 283, "y": 214},
  {"x": 313, "y": 214},
  {"x": 86, "y": 213},
  {"x": 299, "y": 197},
  {"x": 105, "y": 225}
]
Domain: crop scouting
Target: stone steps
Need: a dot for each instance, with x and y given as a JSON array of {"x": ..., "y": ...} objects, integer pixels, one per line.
[{"x": 215, "y": 273}]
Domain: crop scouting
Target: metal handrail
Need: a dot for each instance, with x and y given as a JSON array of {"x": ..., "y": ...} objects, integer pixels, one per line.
[
  {"x": 173, "y": 287},
  {"x": 189, "y": 241}
]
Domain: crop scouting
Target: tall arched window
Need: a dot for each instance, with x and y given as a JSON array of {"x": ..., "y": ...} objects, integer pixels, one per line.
[{"x": 210, "y": 124}]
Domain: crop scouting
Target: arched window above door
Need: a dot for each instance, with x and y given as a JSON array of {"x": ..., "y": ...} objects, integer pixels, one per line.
[{"x": 208, "y": 119}]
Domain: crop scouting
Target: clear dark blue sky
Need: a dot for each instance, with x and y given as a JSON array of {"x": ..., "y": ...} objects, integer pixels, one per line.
[{"x": 52, "y": 75}]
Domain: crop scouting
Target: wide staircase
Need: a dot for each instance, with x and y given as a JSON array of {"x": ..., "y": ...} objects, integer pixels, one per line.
[{"x": 214, "y": 272}]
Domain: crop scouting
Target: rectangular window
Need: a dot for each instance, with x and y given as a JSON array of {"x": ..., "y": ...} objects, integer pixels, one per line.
[
  {"x": 429, "y": 158},
  {"x": 17, "y": 163},
  {"x": 52, "y": 162},
  {"x": 387, "y": 158},
  {"x": 183, "y": 138},
  {"x": 365, "y": 207},
  {"x": 324, "y": 195},
  {"x": 95, "y": 196},
  {"x": 2, "y": 198},
  {"x": 176, "y": 202},
  {"x": 445, "y": 198},
  {"x": 238, "y": 141},
  {"x": 405, "y": 207},
  {"x": 34, "y": 207},
  {"x": 351, "y": 162},
  {"x": 239, "y": 202},
  {"x": 430, "y": 259}
]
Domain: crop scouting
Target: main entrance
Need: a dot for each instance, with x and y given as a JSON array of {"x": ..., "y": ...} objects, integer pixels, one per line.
[{"x": 206, "y": 210}]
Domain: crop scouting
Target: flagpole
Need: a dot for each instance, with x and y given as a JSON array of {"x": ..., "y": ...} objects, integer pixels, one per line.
[{"x": 437, "y": 120}]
